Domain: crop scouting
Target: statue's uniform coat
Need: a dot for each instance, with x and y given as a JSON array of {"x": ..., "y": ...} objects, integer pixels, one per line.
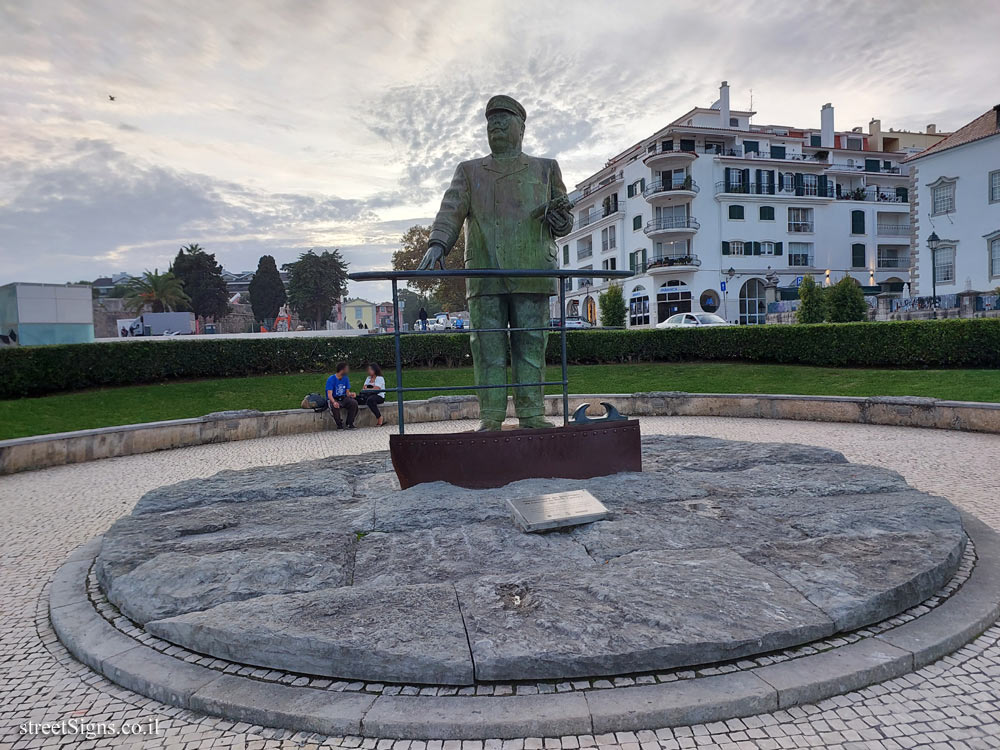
[{"x": 495, "y": 199}]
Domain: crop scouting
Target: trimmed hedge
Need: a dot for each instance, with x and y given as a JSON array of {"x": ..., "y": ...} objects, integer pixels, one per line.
[{"x": 954, "y": 343}]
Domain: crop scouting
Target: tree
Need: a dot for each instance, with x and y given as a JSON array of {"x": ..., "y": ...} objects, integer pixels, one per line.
[
  {"x": 267, "y": 291},
  {"x": 846, "y": 302},
  {"x": 412, "y": 302},
  {"x": 162, "y": 292},
  {"x": 202, "y": 280},
  {"x": 449, "y": 292},
  {"x": 613, "y": 309},
  {"x": 315, "y": 282},
  {"x": 812, "y": 304}
]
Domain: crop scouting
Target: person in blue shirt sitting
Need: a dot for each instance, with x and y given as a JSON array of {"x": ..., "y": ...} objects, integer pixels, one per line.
[{"x": 338, "y": 393}]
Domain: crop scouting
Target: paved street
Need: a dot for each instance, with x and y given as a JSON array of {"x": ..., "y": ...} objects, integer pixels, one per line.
[{"x": 46, "y": 514}]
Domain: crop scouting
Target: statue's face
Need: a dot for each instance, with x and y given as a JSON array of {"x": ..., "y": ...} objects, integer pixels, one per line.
[{"x": 505, "y": 131}]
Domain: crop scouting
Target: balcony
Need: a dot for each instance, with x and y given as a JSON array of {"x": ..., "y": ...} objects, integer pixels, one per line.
[
  {"x": 585, "y": 220},
  {"x": 891, "y": 261},
  {"x": 786, "y": 191},
  {"x": 872, "y": 193},
  {"x": 843, "y": 166},
  {"x": 683, "y": 225},
  {"x": 800, "y": 226},
  {"x": 674, "y": 156},
  {"x": 738, "y": 152},
  {"x": 668, "y": 190},
  {"x": 596, "y": 187},
  {"x": 672, "y": 264},
  {"x": 892, "y": 230}
]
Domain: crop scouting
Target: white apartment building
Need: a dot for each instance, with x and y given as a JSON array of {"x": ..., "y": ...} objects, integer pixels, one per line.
[
  {"x": 957, "y": 198},
  {"x": 714, "y": 213}
]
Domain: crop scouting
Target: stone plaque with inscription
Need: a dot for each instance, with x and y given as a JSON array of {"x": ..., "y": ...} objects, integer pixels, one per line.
[{"x": 557, "y": 509}]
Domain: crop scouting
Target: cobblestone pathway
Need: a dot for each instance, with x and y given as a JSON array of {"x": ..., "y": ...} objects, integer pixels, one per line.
[{"x": 44, "y": 515}]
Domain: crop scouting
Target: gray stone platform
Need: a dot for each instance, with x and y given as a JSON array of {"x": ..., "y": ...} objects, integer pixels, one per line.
[{"x": 718, "y": 550}]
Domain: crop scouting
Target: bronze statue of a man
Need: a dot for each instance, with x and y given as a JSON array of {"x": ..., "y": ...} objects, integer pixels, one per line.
[{"x": 513, "y": 207}]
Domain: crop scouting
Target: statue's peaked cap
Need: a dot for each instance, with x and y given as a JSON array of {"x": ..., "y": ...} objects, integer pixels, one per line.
[{"x": 502, "y": 102}]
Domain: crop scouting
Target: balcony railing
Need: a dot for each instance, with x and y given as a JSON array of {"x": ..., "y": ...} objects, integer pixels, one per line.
[
  {"x": 584, "y": 252},
  {"x": 843, "y": 166},
  {"x": 800, "y": 226},
  {"x": 585, "y": 220},
  {"x": 893, "y": 230},
  {"x": 872, "y": 193},
  {"x": 666, "y": 186},
  {"x": 666, "y": 261},
  {"x": 893, "y": 261},
  {"x": 661, "y": 225},
  {"x": 788, "y": 191},
  {"x": 741, "y": 153},
  {"x": 601, "y": 184}
]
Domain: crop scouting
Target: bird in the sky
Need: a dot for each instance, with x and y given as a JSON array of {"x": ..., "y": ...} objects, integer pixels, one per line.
[{"x": 111, "y": 97}]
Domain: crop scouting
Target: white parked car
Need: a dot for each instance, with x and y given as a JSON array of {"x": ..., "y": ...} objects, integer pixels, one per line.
[{"x": 693, "y": 320}]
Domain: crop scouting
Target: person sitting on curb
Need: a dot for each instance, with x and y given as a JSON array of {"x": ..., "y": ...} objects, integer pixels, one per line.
[
  {"x": 373, "y": 392},
  {"x": 338, "y": 393}
]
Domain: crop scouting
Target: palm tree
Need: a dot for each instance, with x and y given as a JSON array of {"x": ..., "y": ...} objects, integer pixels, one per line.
[{"x": 163, "y": 292}]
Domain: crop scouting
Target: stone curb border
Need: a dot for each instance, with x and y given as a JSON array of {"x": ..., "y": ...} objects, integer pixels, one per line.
[
  {"x": 95, "y": 642},
  {"x": 42, "y": 451}
]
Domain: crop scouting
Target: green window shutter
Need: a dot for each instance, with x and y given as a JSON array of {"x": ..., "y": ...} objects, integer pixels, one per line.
[
  {"x": 871, "y": 165},
  {"x": 759, "y": 181},
  {"x": 644, "y": 258},
  {"x": 800, "y": 188},
  {"x": 642, "y": 184},
  {"x": 777, "y": 248},
  {"x": 735, "y": 211},
  {"x": 725, "y": 248},
  {"x": 857, "y": 222},
  {"x": 902, "y": 193},
  {"x": 565, "y": 255},
  {"x": 858, "y": 255},
  {"x": 781, "y": 181},
  {"x": 767, "y": 213},
  {"x": 756, "y": 247},
  {"x": 631, "y": 191},
  {"x": 777, "y": 152},
  {"x": 823, "y": 185},
  {"x": 746, "y": 180},
  {"x": 631, "y": 262},
  {"x": 636, "y": 222},
  {"x": 770, "y": 183},
  {"x": 728, "y": 179}
]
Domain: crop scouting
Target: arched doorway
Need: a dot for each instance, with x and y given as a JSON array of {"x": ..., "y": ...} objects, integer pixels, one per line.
[
  {"x": 753, "y": 304},
  {"x": 672, "y": 298},
  {"x": 590, "y": 310},
  {"x": 638, "y": 307}
]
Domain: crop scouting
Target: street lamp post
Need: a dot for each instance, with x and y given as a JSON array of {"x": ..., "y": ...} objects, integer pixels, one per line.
[
  {"x": 932, "y": 244},
  {"x": 729, "y": 277}
]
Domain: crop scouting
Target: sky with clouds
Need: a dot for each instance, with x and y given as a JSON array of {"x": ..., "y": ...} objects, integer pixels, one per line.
[{"x": 280, "y": 125}]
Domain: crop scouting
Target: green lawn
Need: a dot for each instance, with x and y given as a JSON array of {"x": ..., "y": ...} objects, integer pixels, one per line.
[{"x": 147, "y": 403}]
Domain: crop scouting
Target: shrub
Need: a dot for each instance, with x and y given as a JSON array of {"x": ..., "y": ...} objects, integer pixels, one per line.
[
  {"x": 812, "y": 304},
  {"x": 613, "y": 309},
  {"x": 27, "y": 371},
  {"x": 845, "y": 302}
]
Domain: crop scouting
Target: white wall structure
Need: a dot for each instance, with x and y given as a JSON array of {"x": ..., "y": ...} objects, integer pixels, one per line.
[
  {"x": 957, "y": 197},
  {"x": 712, "y": 198},
  {"x": 35, "y": 314}
]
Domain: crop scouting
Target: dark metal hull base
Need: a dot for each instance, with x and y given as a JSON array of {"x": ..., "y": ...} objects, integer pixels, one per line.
[{"x": 479, "y": 460}]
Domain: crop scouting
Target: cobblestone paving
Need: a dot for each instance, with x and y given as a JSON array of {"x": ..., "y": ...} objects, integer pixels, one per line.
[{"x": 44, "y": 515}]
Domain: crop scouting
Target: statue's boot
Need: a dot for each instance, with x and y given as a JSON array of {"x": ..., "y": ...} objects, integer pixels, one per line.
[
  {"x": 489, "y": 425},
  {"x": 534, "y": 423}
]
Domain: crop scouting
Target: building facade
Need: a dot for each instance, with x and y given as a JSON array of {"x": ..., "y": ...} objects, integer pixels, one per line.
[
  {"x": 40, "y": 314},
  {"x": 956, "y": 197},
  {"x": 711, "y": 212},
  {"x": 357, "y": 311}
]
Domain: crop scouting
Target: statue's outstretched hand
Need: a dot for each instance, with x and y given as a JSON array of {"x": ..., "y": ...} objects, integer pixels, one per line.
[{"x": 434, "y": 257}]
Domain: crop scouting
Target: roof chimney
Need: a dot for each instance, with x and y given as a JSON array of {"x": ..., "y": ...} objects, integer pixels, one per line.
[
  {"x": 826, "y": 126},
  {"x": 931, "y": 129},
  {"x": 724, "y": 103}
]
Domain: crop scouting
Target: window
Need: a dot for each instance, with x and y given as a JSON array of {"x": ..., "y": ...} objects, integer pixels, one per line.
[
  {"x": 709, "y": 300},
  {"x": 734, "y": 122},
  {"x": 751, "y": 147},
  {"x": 777, "y": 152},
  {"x": 787, "y": 182},
  {"x": 638, "y": 307},
  {"x": 800, "y": 220},
  {"x": 942, "y": 197},
  {"x": 995, "y": 257},
  {"x": 609, "y": 264},
  {"x": 995, "y": 186},
  {"x": 636, "y": 223},
  {"x": 584, "y": 248},
  {"x": 359, "y": 313},
  {"x": 815, "y": 140},
  {"x": 767, "y": 213},
  {"x": 810, "y": 184},
  {"x": 800, "y": 253},
  {"x": 735, "y": 212},
  {"x": 858, "y": 255},
  {"x": 565, "y": 255},
  {"x": 854, "y": 144},
  {"x": 857, "y": 222},
  {"x": 944, "y": 265},
  {"x": 767, "y": 248},
  {"x": 736, "y": 247},
  {"x": 753, "y": 304},
  {"x": 608, "y": 239}
]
